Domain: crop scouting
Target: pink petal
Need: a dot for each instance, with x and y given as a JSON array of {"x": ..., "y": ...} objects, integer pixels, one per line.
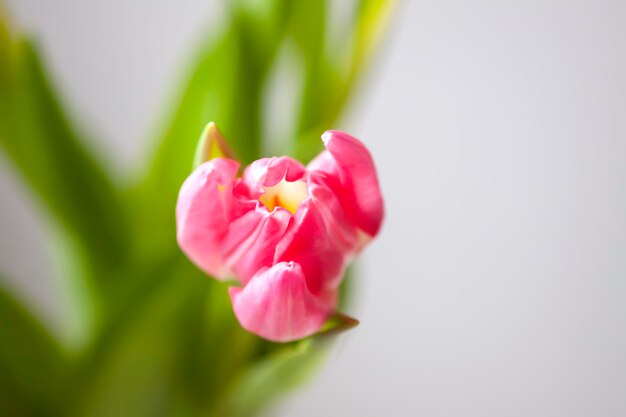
[
  {"x": 267, "y": 172},
  {"x": 321, "y": 239},
  {"x": 252, "y": 238},
  {"x": 349, "y": 169},
  {"x": 324, "y": 162},
  {"x": 203, "y": 212},
  {"x": 277, "y": 305}
]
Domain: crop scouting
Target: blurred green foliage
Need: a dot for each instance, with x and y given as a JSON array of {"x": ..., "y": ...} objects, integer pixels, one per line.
[{"x": 146, "y": 333}]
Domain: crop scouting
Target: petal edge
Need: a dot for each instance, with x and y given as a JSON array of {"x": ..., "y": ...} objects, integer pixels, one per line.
[{"x": 277, "y": 305}]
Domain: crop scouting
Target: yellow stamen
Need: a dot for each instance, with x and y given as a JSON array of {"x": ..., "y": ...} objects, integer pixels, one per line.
[{"x": 285, "y": 194}]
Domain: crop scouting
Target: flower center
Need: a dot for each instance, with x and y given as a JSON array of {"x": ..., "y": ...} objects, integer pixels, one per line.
[{"x": 285, "y": 194}]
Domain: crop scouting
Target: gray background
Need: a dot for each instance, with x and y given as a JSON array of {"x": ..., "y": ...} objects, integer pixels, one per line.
[{"x": 497, "y": 287}]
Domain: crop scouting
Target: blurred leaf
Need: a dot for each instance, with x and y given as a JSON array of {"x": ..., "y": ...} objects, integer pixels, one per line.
[
  {"x": 371, "y": 21},
  {"x": 309, "y": 31},
  {"x": 127, "y": 370},
  {"x": 280, "y": 369},
  {"x": 331, "y": 76},
  {"x": 39, "y": 140},
  {"x": 213, "y": 347},
  {"x": 225, "y": 86},
  {"x": 174, "y": 352},
  {"x": 308, "y": 28},
  {"x": 272, "y": 376},
  {"x": 33, "y": 368}
]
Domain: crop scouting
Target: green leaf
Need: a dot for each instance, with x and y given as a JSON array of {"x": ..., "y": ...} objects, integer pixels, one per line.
[
  {"x": 126, "y": 370},
  {"x": 33, "y": 368},
  {"x": 225, "y": 85},
  {"x": 39, "y": 140},
  {"x": 279, "y": 369},
  {"x": 331, "y": 74},
  {"x": 272, "y": 376},
  {"x": 211, "y": 145},
  {"x": 173, "y": 352}
]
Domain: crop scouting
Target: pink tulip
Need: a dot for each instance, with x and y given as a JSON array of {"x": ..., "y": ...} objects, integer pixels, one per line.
[{"x": 285, "y": 232}]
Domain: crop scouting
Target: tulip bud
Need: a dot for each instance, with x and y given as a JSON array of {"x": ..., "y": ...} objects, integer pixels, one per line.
[
  {"x": 211, "y": 145},
  {"x": 284, "y": 231}
]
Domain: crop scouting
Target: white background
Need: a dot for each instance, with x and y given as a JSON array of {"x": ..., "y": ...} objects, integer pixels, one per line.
[{"x": 498, "y": 285}]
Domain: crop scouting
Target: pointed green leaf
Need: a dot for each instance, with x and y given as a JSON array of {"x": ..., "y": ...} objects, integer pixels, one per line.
[
  {"x": 39, "y": 140},
  {"x": 211, "y": 145}
]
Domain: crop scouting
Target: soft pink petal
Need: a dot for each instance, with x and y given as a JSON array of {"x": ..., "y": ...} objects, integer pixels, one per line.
[
  {"x": 321, "y": 239},
  {"x": 267, "y": 172},
  {"x": 324, "y": 162},
  {"x": 349, "y": 169},
  {"x": 203, "y": 212},
  {"x": 252, "y": 238},
  {"x": 277, "y": 305}
]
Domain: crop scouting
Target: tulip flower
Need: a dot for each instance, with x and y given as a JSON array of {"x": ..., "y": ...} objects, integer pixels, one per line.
[{"x": 284, "y": 232}]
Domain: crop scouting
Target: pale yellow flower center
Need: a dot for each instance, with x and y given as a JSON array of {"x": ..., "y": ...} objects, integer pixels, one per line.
[{"x": 285, "y": 194}]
